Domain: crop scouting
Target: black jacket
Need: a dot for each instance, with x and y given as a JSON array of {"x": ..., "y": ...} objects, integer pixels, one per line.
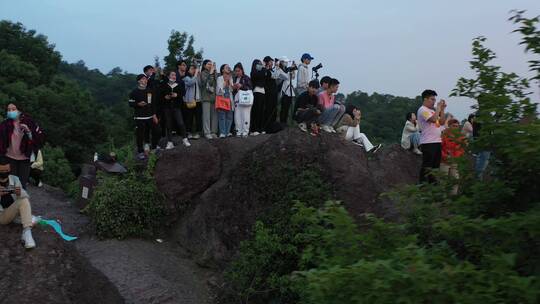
[
  {"x": 146, "y": 95},
  {"x": 259, "y": 78},
  {"x": 306, "y": 101},
  {"x": 173, "y": 103}
]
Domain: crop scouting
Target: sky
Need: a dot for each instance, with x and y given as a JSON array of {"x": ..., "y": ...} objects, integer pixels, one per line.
[{"x": 391, "y": 47}]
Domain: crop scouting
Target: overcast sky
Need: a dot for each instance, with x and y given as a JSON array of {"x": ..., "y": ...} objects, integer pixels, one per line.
[{"x": 394, "y": 47}]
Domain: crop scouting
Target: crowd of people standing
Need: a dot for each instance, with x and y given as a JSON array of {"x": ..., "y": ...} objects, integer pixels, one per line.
[{"x": 197, "y": 100}]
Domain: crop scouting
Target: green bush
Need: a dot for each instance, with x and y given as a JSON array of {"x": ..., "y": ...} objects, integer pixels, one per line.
[
  {"x": 56, "y": 169},
  {"x": 126, "y": 206}
]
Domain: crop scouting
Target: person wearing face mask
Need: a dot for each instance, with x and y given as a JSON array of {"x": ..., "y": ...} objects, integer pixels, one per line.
[
  {"x": 172, "y": 93},
  {"x": 259, "y": 75},
  {"x": 14, "y": 201},
  {"x": 20, "y": 138},
  {"x": 285, "y": 76}
]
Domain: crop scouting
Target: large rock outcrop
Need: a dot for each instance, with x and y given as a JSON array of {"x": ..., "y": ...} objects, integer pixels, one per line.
[{"x": 217, "y": 188}]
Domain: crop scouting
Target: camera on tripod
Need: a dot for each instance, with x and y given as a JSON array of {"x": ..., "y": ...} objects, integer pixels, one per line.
[{"x": 317, "y": 67}]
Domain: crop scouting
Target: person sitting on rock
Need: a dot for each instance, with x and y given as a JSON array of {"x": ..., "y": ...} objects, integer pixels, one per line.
[
  {"x": 332, "y": 111},
  {"x": 410, "y": 138},
  {"x": 350, "y": 127},
  {"x": 15, "y": 201},
  {"x": 307, "y": 108}
]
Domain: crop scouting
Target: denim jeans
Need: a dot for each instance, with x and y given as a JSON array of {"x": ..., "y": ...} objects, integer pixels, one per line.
[
  {"x": 331, "y": 116},
  {"x": 225, "y": 119},
  {"x": 481, "y": 163},
  {"x": 415, "y": 139}
]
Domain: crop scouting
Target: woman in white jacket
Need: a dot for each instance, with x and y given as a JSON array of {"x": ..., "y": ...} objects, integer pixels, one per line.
[
  {"x": 410, "y": 138},
  {"x": 285, "y": 76}
]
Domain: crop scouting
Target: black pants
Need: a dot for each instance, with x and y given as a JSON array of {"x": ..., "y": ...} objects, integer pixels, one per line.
[
  {"x": 257, "y": 113},
  {"x": 21, "y": 169},
  {"x": 286, "y": 102},
  {"x": 143, "y": 129},
  {"x": 431, "y": 159},
  {"x": 35, "y": 174},
  {"x": 307, "y": 116},
  {"x": 173, "y": 120},
  {"x": 193, "y": 118},
  {"x": 270, "y": 109}
]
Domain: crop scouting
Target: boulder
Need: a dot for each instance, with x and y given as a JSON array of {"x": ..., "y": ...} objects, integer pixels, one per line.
[{"x": 218, "y": 189}]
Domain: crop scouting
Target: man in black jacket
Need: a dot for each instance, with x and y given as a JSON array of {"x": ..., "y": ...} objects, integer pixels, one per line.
[
  {"x": 307, "y": 108},
  {"x": 142, "y": 100}
]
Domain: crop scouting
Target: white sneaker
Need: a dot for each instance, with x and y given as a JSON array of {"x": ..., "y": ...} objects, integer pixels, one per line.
[
  {"x": 302, "y": 127},
  {"x": 222, "y": 135},
  {"x": 332, "y": 130},
  {"x": 208, "y": 136},
  {"x": 27, "y": 238},
  {"x": 263, "y": 132},
  {"x": 416, "y": 151},
  {"x": 229, "y": 135},
  {"x": 326, "y": 129},
  {"x": 196, "y": 136},
  {"x": 146, "y": 148},
  {"x": 169, "y": 146},
  {"x": 186, "y": 143},
  {"x": 40, "y": 185}
]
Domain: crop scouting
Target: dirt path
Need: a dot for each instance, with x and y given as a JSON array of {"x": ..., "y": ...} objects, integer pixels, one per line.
[{"x": 143, "y": 271}]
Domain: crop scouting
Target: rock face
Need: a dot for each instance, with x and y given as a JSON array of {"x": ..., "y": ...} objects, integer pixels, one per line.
[{"x": 212, "y": 190}]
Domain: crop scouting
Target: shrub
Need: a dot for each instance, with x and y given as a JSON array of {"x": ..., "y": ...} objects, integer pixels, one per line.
[
  {"x": 126, "y": 206},
  {"x": 57, "y": 171}
]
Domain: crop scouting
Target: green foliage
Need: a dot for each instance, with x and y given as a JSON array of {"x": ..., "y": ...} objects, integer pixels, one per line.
[
  {"x": 261, "y": 271},
  {"x": 408, "y": 276},
  {"x": 530, "y": 38},
  {"x": 78, "y": 121},
  {"x": 127, "y": 206},
  {"x": 180, "y": 46},
  {"x": 383, "y": 115},
  {"x": 479, "y": 246},
  {"x": 57, "y": 171},
  {"x": 31, "y": 48}
]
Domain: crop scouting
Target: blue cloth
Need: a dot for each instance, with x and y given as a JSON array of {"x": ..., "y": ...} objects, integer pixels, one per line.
[
  {"x": 481, "y": 163},
  {"x": 58, "y": 229},
  {"x": 415, "y": 139},
  {"x": 225, "y": 119}
]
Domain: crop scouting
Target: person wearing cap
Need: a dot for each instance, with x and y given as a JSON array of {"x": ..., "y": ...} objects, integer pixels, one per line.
[
  {"x": 141, "y": 100},
  {"x": 285, "y": 78},
  {"x": 302, "y": 79}
]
